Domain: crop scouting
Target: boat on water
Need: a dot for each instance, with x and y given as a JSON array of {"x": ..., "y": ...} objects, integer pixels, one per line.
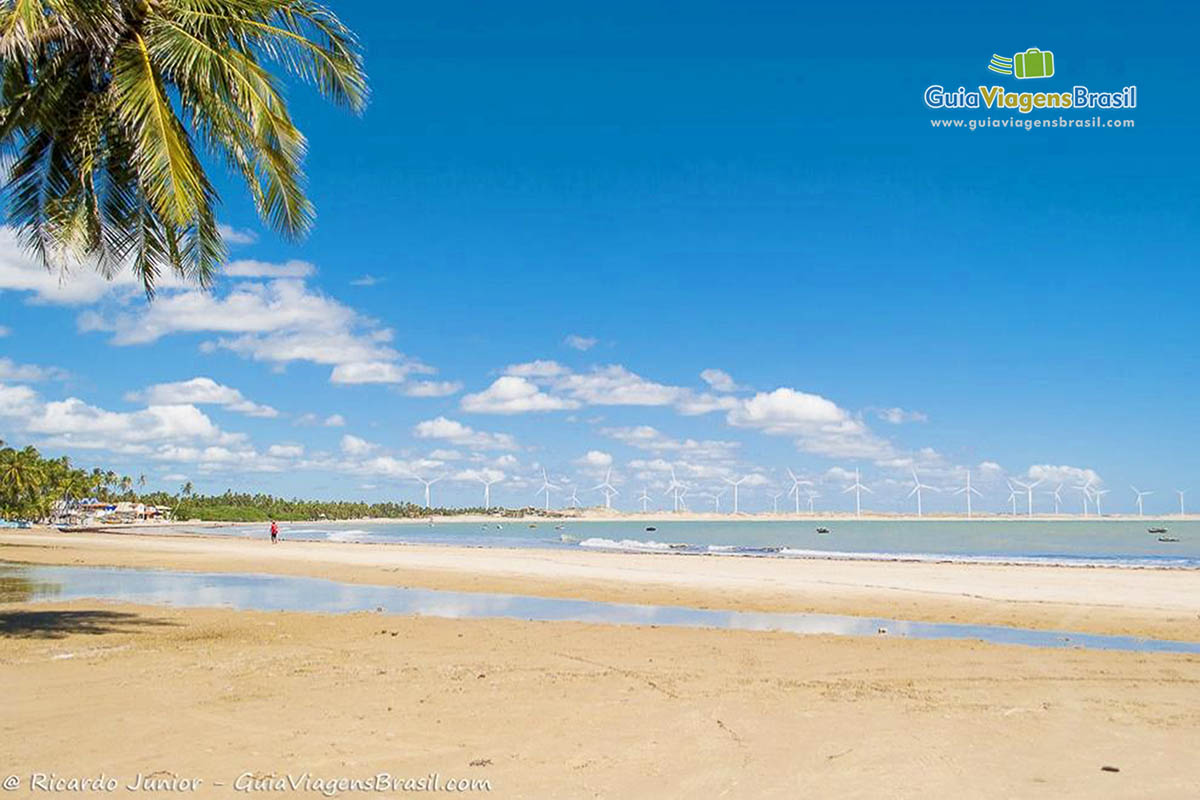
[
  {"x": 1168, "y": 539},
  {"x": 822, "y": 530},
  {"x": 651, "y": 528},
  {"x": 1156, "y": 530}
]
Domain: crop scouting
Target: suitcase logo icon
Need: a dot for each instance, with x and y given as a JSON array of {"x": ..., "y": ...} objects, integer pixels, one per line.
[{"x": 1033, "y": 63}]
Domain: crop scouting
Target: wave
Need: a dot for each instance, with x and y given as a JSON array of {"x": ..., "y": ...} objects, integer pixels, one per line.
[{"x": 634, "y": 545}]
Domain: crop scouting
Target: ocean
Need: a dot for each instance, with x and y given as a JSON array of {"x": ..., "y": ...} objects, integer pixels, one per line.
[{"x": 1077, "y": 542}]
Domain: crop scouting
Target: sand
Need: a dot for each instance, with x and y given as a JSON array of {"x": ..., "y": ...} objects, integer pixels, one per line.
[
  {"x": 583, "y": 710},
  {"x": 1159, "y": 603}
]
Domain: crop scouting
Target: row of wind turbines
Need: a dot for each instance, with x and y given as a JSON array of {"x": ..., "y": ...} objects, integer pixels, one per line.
[{"x": 678, "y": 491}]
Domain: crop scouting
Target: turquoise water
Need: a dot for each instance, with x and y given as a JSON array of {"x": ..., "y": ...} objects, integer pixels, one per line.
[
  {"x": 1072, "y": 542},
  {"x": 21, "y": 583}
]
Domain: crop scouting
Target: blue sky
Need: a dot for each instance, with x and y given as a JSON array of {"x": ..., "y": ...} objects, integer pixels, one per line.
[{"x": 749, "y": 188}]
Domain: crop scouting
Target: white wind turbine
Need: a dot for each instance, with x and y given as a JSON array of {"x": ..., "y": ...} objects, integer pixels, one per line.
[
  {"x": 1086, "y": 490},
  {"x": 645, "y": 498},
  {"x": 775, "y": 501},
  {"x": 1012, "y": 497},
  {"x": 1096, "y": 495},
  {"x": 917, "y": 487},
  {"x": 609, "y": 490},
  {"x": 1140, "y": 495},
  {"x": 1181, "y": 493},
  {"x": 1056, "y": 494},
  {"x": 1028, "y": 487},
  {"x": 419, "y": 479},
  {"x": 487, "y": 491},
  {"x": 673, "y": 489},
  {"x": 681, "y": 494},
  {"x": 735, "y": 485},
  {"x": 716, "y": 498},
  {"x": 573, "y": 500},
  {"x": 795, "y": 490},
  {"x": 545, "y": 488},
  {"x": 968, "y": 490},
  {"x": 858, "y": 488},
  {"x": 811, "y": 496}
]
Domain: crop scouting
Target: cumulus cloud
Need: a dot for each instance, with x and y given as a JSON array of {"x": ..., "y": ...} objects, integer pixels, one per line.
[
  {"x": 431, "y": 388},
  {"x": 233, "y": 235},
  {"x": 581, "y": 343},
  {"x": 595, "y": 458},
  {"x": 719, "y": 380},
  {"x": 646, "y": 437},
  {"x": 354, "y": 446},
  {"x": 249, "y": 268},
  {"x": 334, "y": 421},
  {"x": 899, "y": 416},
  {"x": 1050, "y": 473},
  {"x": 818, "y": 424},
  {"x": 201, "y": 391},
  {"x": 462, "y": 435},
  {"x": 612, "y": 385},
  {"x": 286, "y": 450},
  {"x": 30, "y": 373},
  {"x": 510, "y": 394}
]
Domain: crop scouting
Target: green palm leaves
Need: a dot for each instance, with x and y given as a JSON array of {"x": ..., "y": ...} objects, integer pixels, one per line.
[{"x": 109, "y": 108}]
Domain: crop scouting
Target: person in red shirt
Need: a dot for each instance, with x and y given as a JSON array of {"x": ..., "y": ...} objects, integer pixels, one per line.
[{"x": 274, "y": 532}]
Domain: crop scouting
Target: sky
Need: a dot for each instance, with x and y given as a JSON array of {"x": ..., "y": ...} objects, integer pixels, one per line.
[{"x": 715, "y": 237}]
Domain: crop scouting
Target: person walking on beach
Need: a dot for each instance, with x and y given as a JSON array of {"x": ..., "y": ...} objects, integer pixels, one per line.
[{"x": 274, "y": 532}]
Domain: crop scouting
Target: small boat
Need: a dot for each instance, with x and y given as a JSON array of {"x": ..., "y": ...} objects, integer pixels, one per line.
[
  {"x": 822, "y": 530},
  {"x": 1168, "y": 539},
  {"x": 1156, "y": 530},
  {"x": 651, "y": 528},
  {"x": 532, "y": 525},
  {"x": 559, "y": 527},
  {"x": 678, "y": 546}
]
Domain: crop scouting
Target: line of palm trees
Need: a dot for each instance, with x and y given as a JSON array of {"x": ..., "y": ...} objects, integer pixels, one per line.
[{"x": 30, "y": 484}]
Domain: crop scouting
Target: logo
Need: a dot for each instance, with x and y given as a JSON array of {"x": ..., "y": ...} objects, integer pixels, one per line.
[{"x": 1033, "y": 63}]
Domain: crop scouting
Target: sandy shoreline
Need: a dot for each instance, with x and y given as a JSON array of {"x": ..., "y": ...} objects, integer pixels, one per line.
[
  {"x": 1158, "y": 603},
  {"x": 579, "y": 710}
]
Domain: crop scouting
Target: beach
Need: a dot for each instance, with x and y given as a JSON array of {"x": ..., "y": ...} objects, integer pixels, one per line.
[{"x": 568, "y": 709}]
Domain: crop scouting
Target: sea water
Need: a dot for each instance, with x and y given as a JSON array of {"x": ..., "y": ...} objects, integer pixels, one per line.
[
  {"x": 28, "y": 583},
  {"x": 1077, "y": 542}
]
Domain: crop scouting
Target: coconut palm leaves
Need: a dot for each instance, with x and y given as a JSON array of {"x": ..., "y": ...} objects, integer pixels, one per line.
[{"x": 110, "y": 109}]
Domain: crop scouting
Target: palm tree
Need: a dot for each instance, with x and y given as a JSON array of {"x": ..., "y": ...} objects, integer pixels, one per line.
[
  {"x": 108, "y": 107},
  {"x": 21, "y": 475},
  {"x": 186, "y": 489}
]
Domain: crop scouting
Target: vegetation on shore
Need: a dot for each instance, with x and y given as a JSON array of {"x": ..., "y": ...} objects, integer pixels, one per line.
[{"x": 31, "y": 486}]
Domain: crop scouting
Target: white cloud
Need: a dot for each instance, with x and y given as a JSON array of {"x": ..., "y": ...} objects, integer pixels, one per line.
[
  {"x": 233, "y": 235},
  {"x": 818, "y": 424},
  {"x": 510, "y": 394},
  {"x": 612, "y": 385},
  {"x": 1050, "y": 473},
  {"x": 366, "y": 280},
  {"x": 286, "y": 450},
  {"x": 646, "y": 437},
  {"x": 431, "y": 388},
  {"x": 334, "y": 421},
  {"x": 536, "y": 369},
  {"x": 201, "y": 391},
  {"x": 249, "y": 268},
  {"x": 12, "y": 371},
  {"x": 719, "y": 380},
  {"x": 581, "y": 343},
  {"x": 463, "y": 435},
  {"x": 370, "y": 372},
  {"x": 354, "y": 446},
  {"x": 595, "y": 458},
  {"x": 898, "y": 416},
  {"x": 4, "y": 331},
  {"x": 17, "y": 401}
]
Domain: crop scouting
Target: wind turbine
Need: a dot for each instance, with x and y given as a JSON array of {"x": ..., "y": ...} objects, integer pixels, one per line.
[
  {"x": 968, "y": 490},
  {"x": 716, "y": 498},
  {"x": 487, "y": 492},
  {"x": 1057, "y": 497},
  {"x": 917, "y": 487},
  {"x": 546, "y": 487},
  {"x": 858, "y": 489},
  {"x": 673, "y": 489},
  {"x": 775, "y": 501},
  {"x": 682, "y": 493},
  {"x": 1181, "y": 493},
  {"x": 1096, "y": 495},
  {"x": 608, "y": 489},
  {"x": 427, "y": 485},
  {"x": 811, "y": 496},
  {"x": 1012, "y": 497},
  {"x": 1086, "y": 490},
  {"x": 735, "y": 485},
  {"x": 1140, "y": 495},
  {"x": 574, "y": 498},
  {"x": 645, "y": 498},
  {"x": 795, "y": 490},
  {"x": 1028, "y": 487}
]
